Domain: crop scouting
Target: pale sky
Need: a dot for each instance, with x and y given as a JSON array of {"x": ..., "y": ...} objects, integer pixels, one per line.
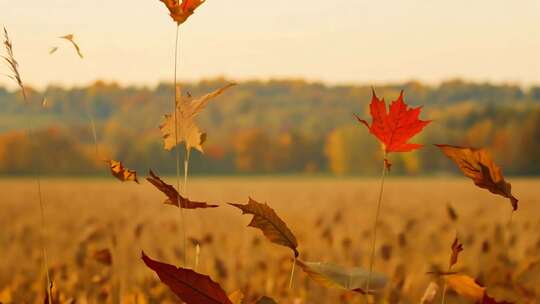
[{"x": 338, "y": 41}]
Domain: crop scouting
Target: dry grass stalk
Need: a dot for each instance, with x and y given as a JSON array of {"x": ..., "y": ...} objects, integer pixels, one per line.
[{"x": 16, "y": 76}]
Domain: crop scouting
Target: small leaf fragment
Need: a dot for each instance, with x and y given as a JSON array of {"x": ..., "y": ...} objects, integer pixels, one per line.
[
  {"x": 457, "y": 247},
  {"x": 121, "y": 173}
]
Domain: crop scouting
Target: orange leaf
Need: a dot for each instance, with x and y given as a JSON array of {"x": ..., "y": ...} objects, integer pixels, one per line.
[
  {"x": 273, "y": 227},
  {"x": 120, "y": 172},
  {"x": 396, "y": 127},
  {"x": 465, "y": 286},
  {"x": 478, "y": 165},
  {"x": 180, "y": 12},
  {"x": 71, "y": 38},
  {"x": 188, "y": 285},
  {"x": 174, "y": 198}
]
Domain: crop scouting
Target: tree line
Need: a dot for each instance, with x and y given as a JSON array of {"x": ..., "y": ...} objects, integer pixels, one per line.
[{"x": 265, "y": 127}]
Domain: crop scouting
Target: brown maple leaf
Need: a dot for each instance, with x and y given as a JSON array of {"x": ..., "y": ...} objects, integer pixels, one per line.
[
  {"x": 478, "y": 165},
  {"x": 180, "y": 12},
  {"x": 395, "y": 127},
  {"x": 187, "y": 130},
  {"x": 173, "y": 197}
]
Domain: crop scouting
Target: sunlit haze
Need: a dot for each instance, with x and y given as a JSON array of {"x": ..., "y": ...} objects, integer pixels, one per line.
[{"x": 340, "y": 41}]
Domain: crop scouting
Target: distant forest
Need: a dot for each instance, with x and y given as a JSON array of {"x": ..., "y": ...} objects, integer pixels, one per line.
[{"x": 271, "y": 127}]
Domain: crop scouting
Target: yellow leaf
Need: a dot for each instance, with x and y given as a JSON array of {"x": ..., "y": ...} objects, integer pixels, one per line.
[{"x": 187, "y": 130}]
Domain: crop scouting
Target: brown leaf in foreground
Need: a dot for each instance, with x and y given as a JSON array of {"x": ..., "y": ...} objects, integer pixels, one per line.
[
  {"x": 121, "y": 173},
  {"x": 457, "y": 247},
  {"x": 187, "y": 130},
  {"x": 188, "y": 285},
  {"x": 71, "y": 38},
  {"x": 334, "y": 276},
  {"x": 478, "y": 165},
  {"x": 180, "y": 12},
  {"x": 272, "y": 226},
  {"x": 173, "y": 197}
]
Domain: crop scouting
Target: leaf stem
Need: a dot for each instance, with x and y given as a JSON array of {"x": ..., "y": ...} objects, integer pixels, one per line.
[
  {"x": 376, "y": 224},
  {"x": 292, "y": 273},
  {"x": 37, "y": 176},
  {"x": 182, "y": 219}
]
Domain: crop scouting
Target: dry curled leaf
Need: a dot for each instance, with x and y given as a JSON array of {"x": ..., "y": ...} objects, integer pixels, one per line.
[
  {"x": 71, "y": 38},
  {"x": 348, "y": 278},
  {"x": 457, "y": 247},
  {"x": 395, "y": 127},
  {"x": 173, "y": 197},
  {"x": 121, "y": 173},
  {"x": 272, "y": 226},
  {"x": 180, "y": 12},
  {"x": 187, "y": 130},
  {"x": 478, "y": 165},
  {"x": 103, "y": 256},
  {"x": 188, "y": 285}
]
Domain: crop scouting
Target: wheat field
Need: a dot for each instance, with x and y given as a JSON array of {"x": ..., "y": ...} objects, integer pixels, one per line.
[{"x": 332, "y": 219}]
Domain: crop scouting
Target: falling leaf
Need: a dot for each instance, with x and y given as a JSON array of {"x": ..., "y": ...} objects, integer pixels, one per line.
[
  {"x": 430, "y": 293},
  {"x": 265, "y": 300},
  {"x": 71, "y": 38},
  {"x": 190, "y": 286},
  {"x": 273, "y": 227},
  {"x": 53, "y": 50},
  {"x": 173, "y": 197},
  {"x": 180, "y": 12},
  {"x": 187, "y": 130},
  {"x": 121, "y": 173},
  {"x": 236, "y": 297},
  {"x": 467, "y": 287},
  {"x": 478, "y": 165},
  {"x": 349, "y": 278},
  {"x": 103, "y": 256},
  {"x": 396, "y": 127},
  {"x": 457, "y": 247}
]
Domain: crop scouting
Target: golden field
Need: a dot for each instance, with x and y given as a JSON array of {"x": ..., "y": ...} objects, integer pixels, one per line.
[{"x": 332, "y": 219}]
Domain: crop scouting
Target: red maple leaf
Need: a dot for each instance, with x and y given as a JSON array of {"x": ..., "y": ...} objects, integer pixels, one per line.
[{"x": 396, "y": 127}]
